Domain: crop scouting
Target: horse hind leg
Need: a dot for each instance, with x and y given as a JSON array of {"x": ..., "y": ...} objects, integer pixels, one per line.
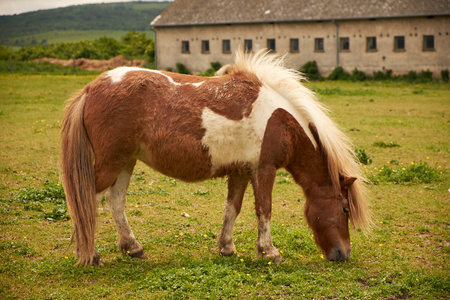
[
  {"x": 116, "y": 198},
  {"x": 237, "y": 185}
]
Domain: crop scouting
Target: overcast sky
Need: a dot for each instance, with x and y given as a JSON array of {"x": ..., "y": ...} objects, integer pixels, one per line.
[{"x": 11, "y": 7}]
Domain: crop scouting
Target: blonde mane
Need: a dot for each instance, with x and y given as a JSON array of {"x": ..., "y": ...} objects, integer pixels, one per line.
[{"x": 341, "y": 159}]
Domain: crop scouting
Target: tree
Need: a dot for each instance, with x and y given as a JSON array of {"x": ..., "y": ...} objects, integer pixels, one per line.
[{"x": 135, "y": 43}]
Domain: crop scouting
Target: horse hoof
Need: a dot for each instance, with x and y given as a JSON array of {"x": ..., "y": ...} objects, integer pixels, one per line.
[
  {"x": 139, "y": 254},
  {"x": 227, "y": 251},
  {"x": 277, "y": 260}
]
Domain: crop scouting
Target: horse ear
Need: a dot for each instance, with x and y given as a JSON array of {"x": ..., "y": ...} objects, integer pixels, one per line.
[{"x": 347, "y": 182}]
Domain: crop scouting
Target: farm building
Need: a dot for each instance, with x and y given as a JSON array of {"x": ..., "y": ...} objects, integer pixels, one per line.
[{"x": 370, "y": 35}]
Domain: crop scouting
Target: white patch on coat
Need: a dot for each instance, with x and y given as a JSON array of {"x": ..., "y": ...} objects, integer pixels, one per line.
[
  {"x": 231, "y": 141},
  {"x": 197, "y": 84},
  {"x": 117, "y": 75},
  {"x": 116, "y": 196},
  {"x": 264, "y": 236},
  {"x": 228, "y": 224}
]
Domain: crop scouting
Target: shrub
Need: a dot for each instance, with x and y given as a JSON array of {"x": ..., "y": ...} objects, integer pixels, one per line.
[
  {"x": 380, "y": 75},
  {"x": 339, "y": 74},
  {"x": 182, "y": 69},
  {"x": 411, "y": 76},
  {"x": 5, "y": 52},
  {"x": 358, "y": 75},
  {"x": 311, "y": 70},
  {"x": 444, "y": 76},
  {"x": 425, "y": 76},
  {"x": 211, "y": 71}
]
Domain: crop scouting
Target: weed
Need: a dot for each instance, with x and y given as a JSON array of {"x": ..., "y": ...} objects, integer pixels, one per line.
[
  {"x": 415, "y": 173},
  {"x": 423, "y": 229},
  {"x": 386, "y": 145},
  {"x": 51, "y": 192},
  {"x": 201, "y": 193},
  {"x": 18, "y": 248},
  {"x": 57, "y": 214},
  {"x": 363, "y": 157},
  {"x": 136, "y": 213}
]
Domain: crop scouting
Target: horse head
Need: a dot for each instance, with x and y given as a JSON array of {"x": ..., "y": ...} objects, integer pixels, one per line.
[{"x": 327, "y": 212}]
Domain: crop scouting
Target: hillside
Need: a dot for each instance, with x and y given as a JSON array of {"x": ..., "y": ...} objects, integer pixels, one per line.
[{"x": 100, "y": 17}]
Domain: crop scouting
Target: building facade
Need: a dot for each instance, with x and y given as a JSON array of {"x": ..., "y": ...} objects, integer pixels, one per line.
[{"x": 404, "y": 39}]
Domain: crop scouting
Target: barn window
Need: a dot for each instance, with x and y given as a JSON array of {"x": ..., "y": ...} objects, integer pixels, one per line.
[
  {"x": 371, "y": 43},
  {"x": 205, "y": 46},
  {"x": 318, "y": 45},
  {"x": 344, "y": 44},
  {"x": 185, "y": 47},
  {"x": 226, "y": 46},
  {"x": 271, "y": 45},
  {"x": 428, "y": 43},
  {"x": 399, "y": 43},
  {"x": 248, "y": 44},
  {"x": 294, "y": 46}
]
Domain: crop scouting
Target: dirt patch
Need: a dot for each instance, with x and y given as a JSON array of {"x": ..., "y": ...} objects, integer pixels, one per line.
[{"x": 95, "y": 64}]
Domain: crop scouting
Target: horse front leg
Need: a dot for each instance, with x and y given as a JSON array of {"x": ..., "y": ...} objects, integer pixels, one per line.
[
  {"x": 262, "y": 183},
  {"x": 237, "y": 184},
  {"x": 116, "y": 198}
]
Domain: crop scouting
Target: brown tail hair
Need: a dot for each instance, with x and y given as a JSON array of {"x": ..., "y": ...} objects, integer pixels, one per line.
[{"x": 77, "y": 169}]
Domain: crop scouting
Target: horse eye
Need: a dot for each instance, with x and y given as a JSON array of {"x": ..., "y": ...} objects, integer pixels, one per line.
[{"x": 345, "y": 210}]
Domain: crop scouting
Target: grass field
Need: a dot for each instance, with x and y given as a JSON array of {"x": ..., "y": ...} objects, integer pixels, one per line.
[{"x": 402, "y": 128}]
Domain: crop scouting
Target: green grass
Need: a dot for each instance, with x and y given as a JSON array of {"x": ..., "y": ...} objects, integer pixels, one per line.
[{"x": 405, "y": 256}]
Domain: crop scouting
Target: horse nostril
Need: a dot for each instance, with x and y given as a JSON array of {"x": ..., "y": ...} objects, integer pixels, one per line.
[{"x": 338, "y": 254}]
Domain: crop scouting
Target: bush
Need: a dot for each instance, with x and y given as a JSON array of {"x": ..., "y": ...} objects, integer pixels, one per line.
[
  {"x": 132, "y": 44},
  {"x": 358, "y": 75},
  {"x": 425, "y": 76},
  {"x": 380, "y": 75},
  {"x": 211, "y": 71},
  {"x": 311, "y": 70},
  {"x": 5, "y": 52},
  {"x": 411, "y": 76},
  {"x": 339, "y": 74},
  {"x": 182, "y": 69},
  {"x": 444, "y": 76},
  {"x": 30, "y": 68}
]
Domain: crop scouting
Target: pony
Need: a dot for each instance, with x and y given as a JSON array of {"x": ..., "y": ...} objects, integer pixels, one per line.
[{"x": 246, "y": 124}]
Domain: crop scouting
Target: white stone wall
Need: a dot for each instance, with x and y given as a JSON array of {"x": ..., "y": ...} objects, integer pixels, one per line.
[{"x": 168, "y": 44}]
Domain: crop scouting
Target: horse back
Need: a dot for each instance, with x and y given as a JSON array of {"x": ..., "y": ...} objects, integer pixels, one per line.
[{"x": 162, "y": 118}]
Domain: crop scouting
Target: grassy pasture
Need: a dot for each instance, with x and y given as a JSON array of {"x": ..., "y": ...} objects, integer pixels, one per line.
[{"x": 405, "y": 256}]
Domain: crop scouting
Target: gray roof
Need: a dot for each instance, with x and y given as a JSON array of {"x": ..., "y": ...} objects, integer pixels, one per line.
[{"x": 207, "y": 12}]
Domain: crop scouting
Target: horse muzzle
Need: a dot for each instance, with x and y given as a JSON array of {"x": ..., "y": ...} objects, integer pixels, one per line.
[{"x": 339, "y": 253}]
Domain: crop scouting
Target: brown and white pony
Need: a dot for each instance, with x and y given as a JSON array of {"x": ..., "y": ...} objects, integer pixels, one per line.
[{"x": 244, "y": 125}]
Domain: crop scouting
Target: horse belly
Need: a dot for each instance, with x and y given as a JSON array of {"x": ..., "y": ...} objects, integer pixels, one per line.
[{"x": 179, "y": 157}]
